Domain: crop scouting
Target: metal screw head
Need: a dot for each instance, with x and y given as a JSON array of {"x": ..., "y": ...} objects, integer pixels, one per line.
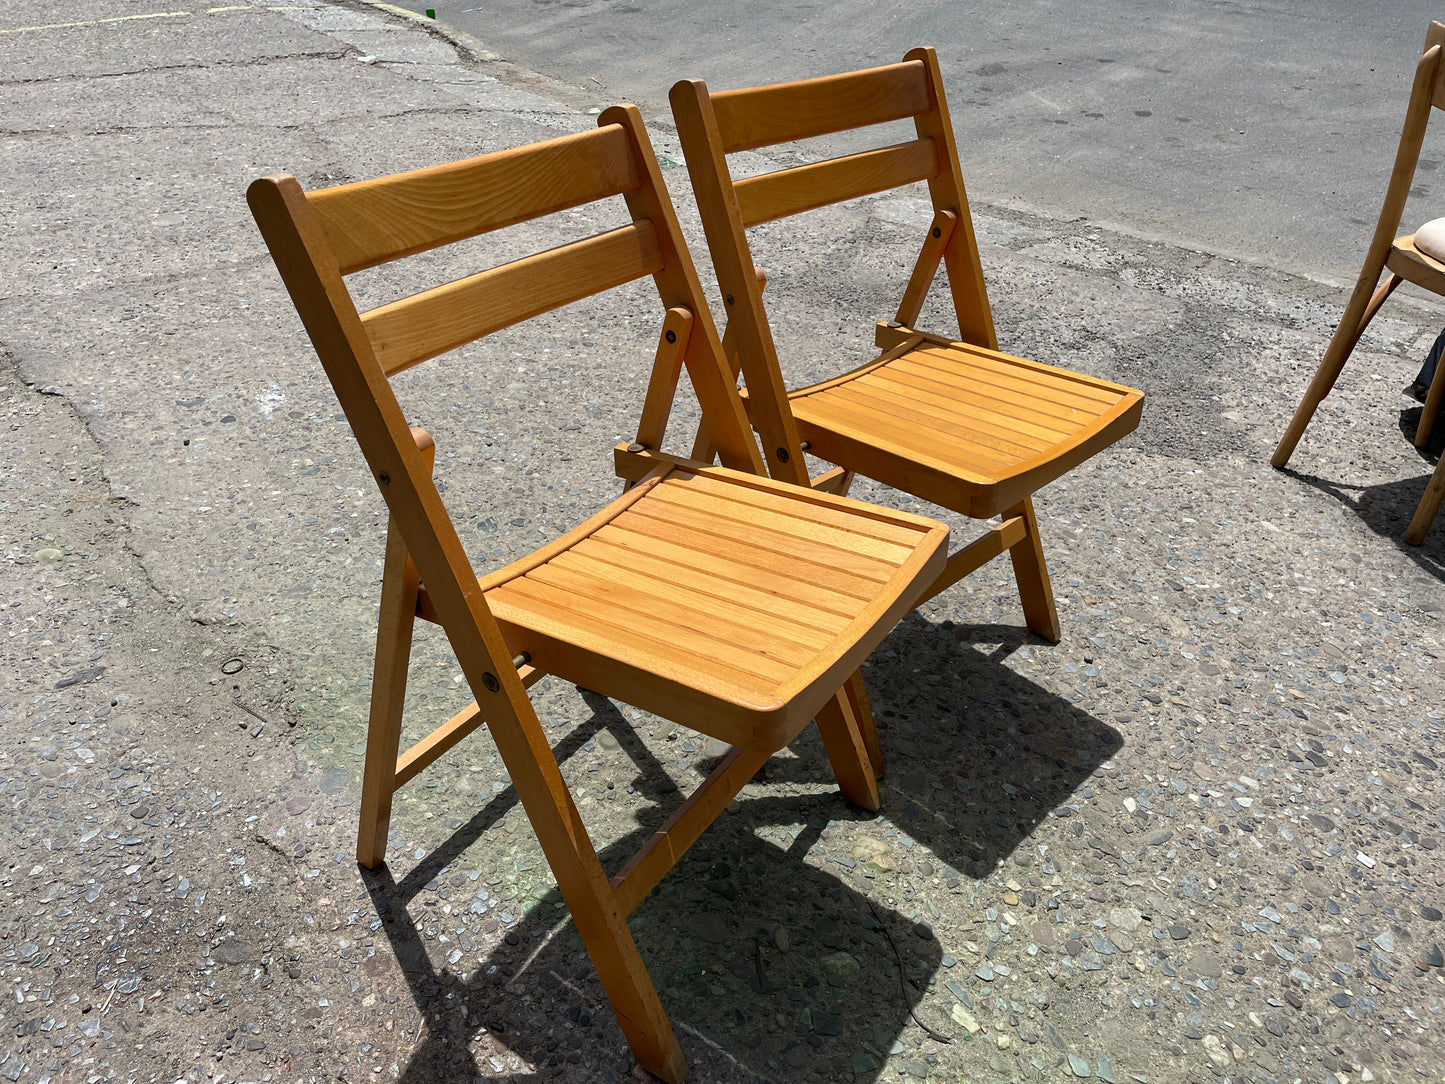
[
  {"x": 937, "y": 232},
  {"x": 490, "y": 681},
  {"x": 383, "y": 477},
  {"x": 671, "y": 336},
  {"x": 634, "y": 447},
  {"x": 782, "y": 454},
  {"x": 730, "y": 299}
]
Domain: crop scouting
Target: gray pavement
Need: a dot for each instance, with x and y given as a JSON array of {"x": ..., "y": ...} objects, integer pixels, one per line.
[
  {"x": 1197, "y": 839},
  {"x": 1240, "y": 127}
]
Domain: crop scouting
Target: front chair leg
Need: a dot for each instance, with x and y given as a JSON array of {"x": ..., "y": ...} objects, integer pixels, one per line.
[
  {"x": 1033, "y": 575},
  {"x": 858, "y": 701}
]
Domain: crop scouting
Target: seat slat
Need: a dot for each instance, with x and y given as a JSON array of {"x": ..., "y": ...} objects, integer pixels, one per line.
[
  {"x": 1038, "y": 416},
  {"x": 371, "y": 222},
  {"x": 735, "y": 623},
  {"x": 664, "y": 639},
  {"x": 978, "y": 412},
  {"x": 967, "y": 424},
  {"x": 776, "y": 502},
  {"x": 409, "y": 331},
  {"x": 735, "y": 545},
  {"x": 1057, "y": 381},
  {"x": 784, "y": 112},
  {"x": 864, "y": 422},
  {"x": 790, "y": 191},
  {"x": 895, "y": 441},
  {"x": 694, "y": 578},
  {"x": 732, "y": 572},
  {"x": 788, "y": 527}
]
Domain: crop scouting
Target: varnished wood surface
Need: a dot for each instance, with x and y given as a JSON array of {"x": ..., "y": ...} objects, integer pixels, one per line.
[
  {"x": 784, "y": 112},
  {"x": 972, "y": 429},
  {"x": 370, "y": 222},
  {"x": 424, "y": 325},
  {"x": 804, "y": 188},
  {"x": 699, "y": 587}
]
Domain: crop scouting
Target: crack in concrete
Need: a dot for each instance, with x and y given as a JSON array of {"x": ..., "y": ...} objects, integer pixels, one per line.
[{"x": 247, "y": 62}]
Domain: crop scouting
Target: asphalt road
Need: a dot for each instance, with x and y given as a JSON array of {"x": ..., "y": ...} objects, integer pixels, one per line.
[{"x": 1258, "y": 129}]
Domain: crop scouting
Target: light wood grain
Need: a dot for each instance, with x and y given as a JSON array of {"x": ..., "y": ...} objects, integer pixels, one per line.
[
  {"x": 373, "y": 222},
  {"x": 424, "y": 325},
  {"x": 804, "y": 188},
  {"x": 785, "y": 112}
]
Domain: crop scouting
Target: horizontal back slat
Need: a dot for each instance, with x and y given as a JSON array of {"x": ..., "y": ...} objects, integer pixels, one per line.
[
  {"x": 371, "y": 222},
  {"x": 427, "y": 324},
  {"x": 802, "y": 188},
  {"x": 783, "y": 112}
]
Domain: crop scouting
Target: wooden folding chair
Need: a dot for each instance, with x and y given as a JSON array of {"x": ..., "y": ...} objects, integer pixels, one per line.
[
  {"x": 956, "y": 423},
  {"x": 1406, "y": 263},
  {"x": 716, "y": 597}
]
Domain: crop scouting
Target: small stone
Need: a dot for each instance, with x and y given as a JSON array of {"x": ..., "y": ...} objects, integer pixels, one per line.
[
  {"x": 1158, "y": 837},
  {"x": 985, "y": 973},
  {"x": 864, "y": 1063},
  {"x": 334, "y": 780},
  {"x": 1079, "y": 1066},
  {"x": 964, "y": 1019},
  {"x": 1341, "y": 1000},
  {"x": 1386, "y": 941},
  {"x": 709, "y": 926},
  {"x": 1043, "y": 933},
  {"x": 1431, "y": 957},
  {"x": 608, "y": 741},
  {"x": 231, "y": 951},
  {"x": 838, "y": 967},
  {"x": 1179, "y": 933},
  {"x": 916, "y": 1069},
  {"x": 1105, "y": 1069},
  {"x": 1125, "y": 918},
  {"x": 1430, "y": 914},
  {"x": 1216, "y": 1052},
  {"x": 781, "y": 939}
]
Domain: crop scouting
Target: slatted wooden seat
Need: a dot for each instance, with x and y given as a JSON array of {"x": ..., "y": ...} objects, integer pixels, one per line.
[
  {"x": 976, "y": 430},
  {"x": 1404, "y": 262},
  {"x": 954, "y": 422},
  {"x": 732, "y": 603}
]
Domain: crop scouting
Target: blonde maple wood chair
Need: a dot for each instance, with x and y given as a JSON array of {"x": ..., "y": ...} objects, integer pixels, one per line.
[
  {"x": 715, "y": 597},
  {"x": 954, "y": 422},
  {"x": 1405, "y": 262}
]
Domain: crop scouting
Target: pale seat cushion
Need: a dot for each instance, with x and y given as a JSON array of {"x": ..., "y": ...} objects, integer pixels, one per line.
[{"x": 1430, "y": 239}]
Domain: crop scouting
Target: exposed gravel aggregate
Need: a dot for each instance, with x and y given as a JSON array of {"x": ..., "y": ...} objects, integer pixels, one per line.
[{"x": 1198, "y": 839}]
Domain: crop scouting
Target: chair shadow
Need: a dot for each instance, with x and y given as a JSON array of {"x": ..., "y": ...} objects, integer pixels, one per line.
[
  {"x": 1387, "y": 508},
  {"x": 743, "y": 938}
]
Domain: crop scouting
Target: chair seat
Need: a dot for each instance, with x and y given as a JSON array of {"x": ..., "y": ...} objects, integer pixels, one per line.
[
  {"x": 746, "y": 601},
  {"x": 1413, "y": 264},
  {"x": 972, "y": 429}
]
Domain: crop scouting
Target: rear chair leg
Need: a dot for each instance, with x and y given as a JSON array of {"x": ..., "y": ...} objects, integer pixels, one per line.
[
  {"x": 399, "y": 583},
  {"x": 1033, "y": 575},
  {"x": 1428, "y": 506},
  {"x": 848, "y": 752},
  {"x": 858, "y": 701}
]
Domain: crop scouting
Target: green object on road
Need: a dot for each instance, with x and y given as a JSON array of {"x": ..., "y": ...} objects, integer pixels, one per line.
[{"x": 431, "y": 13}]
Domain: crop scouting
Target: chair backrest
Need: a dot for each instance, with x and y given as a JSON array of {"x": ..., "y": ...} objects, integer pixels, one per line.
[
  {"x": 713, "y": 125},
  {"x": 1427, "y": 92},
  {"x": 317, "y": 238}
]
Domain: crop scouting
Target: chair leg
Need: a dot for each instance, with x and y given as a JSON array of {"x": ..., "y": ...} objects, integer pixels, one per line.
[
  {"x": 1341, "y": 346},
  {"x": 1032, "y": 575},
  {"x": 589, "y": 897},
  {"x": 1432, "y": 407},
  {"x": 858, "y": 701},
  {"x": 1428, "y": 506},
  {"x": 848, "y": 752},
  {"x": 399, "y": 581}
]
